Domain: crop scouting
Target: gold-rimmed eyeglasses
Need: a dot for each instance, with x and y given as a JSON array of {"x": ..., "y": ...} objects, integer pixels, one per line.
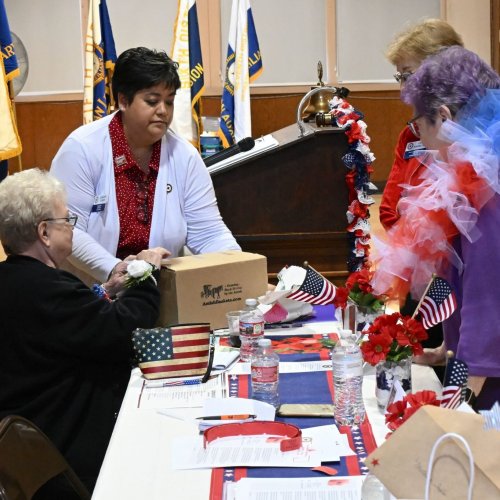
[{"x": 402, "y": 77}]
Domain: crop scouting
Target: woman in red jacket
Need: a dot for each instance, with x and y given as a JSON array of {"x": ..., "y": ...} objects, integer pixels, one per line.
[{"x": 406, "y": 53}]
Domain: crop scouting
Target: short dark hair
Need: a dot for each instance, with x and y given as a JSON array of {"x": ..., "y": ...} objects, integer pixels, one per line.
[{"x": 141, "y": 68}]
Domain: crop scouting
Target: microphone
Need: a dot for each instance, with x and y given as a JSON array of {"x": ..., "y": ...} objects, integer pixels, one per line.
[{"x": 245, "y": 144}]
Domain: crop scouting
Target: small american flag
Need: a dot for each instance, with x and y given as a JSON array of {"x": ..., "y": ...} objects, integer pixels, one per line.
[
  {"x": 315, "y": 289},
  {"x": 438, "y": 304},
  {"x": 177, "y": 351},
  {"x": 455, "y": 383}
]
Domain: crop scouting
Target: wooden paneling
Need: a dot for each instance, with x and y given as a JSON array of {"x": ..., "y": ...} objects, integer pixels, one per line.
[{"x": 43, "y": 126}]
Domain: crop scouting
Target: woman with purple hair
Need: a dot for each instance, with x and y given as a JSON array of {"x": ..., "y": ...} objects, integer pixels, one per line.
[{"x": 450, "y": 222}]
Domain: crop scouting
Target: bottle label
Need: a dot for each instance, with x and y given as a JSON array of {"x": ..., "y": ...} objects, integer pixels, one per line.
[
  {"x": 252, "y": 329},
  {"x": 262, "y": 374},
  {"x": 348, "y": 370}
]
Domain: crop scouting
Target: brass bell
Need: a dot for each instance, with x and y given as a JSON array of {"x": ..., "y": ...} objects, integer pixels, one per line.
[{"x": 318, "y": 102}]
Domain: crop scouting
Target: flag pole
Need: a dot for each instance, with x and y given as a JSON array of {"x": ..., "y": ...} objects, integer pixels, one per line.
[
  {"x": 10, "y": 85},
  {"x": 423, "y": 296}
]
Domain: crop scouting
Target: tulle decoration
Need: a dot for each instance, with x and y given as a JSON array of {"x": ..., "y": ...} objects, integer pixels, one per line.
[{"x": 456, "y": 185}]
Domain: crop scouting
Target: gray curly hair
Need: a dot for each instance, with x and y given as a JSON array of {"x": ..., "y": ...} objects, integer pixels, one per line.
[{"x": 26, "y": 198}]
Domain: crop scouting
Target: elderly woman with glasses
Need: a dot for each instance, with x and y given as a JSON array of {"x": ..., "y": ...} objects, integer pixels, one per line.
[
  {"x": 407, "y": 52},
  {"x": 64, "y": 352},
  {"x": 450, "y": 221},
  {"x": 134, "y": 183}
]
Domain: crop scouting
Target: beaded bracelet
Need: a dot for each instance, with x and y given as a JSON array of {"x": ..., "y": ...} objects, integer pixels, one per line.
[{"x": 100, "y": 291}]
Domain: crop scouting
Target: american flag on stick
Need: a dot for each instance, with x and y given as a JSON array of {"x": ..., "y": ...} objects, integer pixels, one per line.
[
  {"x": 176, "y": 351},
  {"x": 455, "y": 383},
  {"x": 315, "y": 289},
  {"x": 438, "y": 303}
]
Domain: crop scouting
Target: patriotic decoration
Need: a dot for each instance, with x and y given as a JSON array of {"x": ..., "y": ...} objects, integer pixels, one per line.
[
  {"x": 10, "y": 144},
  {"x": 315, "y": 289},
  {"x": 455, "y": 383},
  {"x": 186, "y": 52},
  {"x": 243, "y": 65},
  {"x": 100, "y": 58},
  {"x": 177, "y": 351},
  {"x": 438, "y": 304}
]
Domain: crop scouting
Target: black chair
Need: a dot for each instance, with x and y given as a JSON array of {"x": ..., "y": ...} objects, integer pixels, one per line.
[{"x": 28, "y": 459}]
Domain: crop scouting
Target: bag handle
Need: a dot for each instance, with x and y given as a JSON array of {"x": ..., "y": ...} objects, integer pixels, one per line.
[{"x": 432, "y": 457}]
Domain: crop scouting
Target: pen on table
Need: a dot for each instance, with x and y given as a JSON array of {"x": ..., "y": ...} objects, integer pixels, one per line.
[
  {"x": 227, "y": 417},
  {"x": 173, "y": 383},
  {"x": 276, "y": 326}
]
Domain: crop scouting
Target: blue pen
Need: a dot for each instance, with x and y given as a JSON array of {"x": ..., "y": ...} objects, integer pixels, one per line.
[{"x": 173, "y": 383}]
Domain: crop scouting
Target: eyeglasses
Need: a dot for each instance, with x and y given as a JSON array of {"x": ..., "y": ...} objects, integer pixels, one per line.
[
  {"x": 142, "y": 197},
  {"x": 402, "y": 77},
  {"x": 413, "y": 126},
  {"x": 71, "y": 220}
]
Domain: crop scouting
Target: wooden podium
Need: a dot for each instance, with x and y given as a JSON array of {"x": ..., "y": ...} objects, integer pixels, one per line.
[{"x": 289, "y": 203}]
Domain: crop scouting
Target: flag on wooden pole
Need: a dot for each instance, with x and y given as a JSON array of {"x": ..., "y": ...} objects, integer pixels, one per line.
[
  {"x": 100, "y": 58},
  {"x": 243, "y": 66},
  {"x": 186, "y": 51}
]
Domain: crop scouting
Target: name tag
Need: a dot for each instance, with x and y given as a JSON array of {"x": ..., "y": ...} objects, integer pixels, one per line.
[
  {"x": 415, "y": 148},
  {"x": 99, "y": 203}
]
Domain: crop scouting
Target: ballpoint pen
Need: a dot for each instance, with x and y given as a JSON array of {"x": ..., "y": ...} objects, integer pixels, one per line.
[{"x": 276, "y": 326}]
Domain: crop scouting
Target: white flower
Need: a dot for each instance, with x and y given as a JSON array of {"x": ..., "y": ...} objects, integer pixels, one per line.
[{"x": 138, "y": 271}]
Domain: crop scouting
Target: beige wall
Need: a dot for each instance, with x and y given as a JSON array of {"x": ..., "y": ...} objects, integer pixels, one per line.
[{"x": 472, "y": 20}]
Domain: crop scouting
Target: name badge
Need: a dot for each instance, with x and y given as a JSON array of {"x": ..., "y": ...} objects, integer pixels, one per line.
[
  {"x": 99, "y": 203},
  {"x": 415, "y": 148}
]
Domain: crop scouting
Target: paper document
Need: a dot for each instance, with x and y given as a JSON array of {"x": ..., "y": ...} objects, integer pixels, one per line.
[
  {"x": 164, "y": 394},
  {"x": 321, "y": 488},
  {"x": 240, "y": 451},
  {"x": 223, "y": 360}
]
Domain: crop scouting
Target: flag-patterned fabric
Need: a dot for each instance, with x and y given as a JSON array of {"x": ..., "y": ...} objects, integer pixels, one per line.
[
  {"x": 187, "y": 52},
  {"x": 10, "y": 144},
  {"x": 100, "y": 58},
  {"x": 438, "y": 304},
  {"x": 315, "y": 289},
  {"x": 243, "y": 65},
  {"x": 455, "y": 383},
  {"x": 177, "y": 351},
  {"x": 6, "y": 45}
]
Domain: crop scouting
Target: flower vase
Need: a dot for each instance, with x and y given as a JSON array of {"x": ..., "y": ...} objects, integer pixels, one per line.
[
  {"x": 365, "y": 317},
  {"x": 386, "y": 373}
]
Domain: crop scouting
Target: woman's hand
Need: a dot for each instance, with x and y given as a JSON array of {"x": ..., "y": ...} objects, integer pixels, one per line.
[
  {"x": 432, "y": 357},
  {"x": 153, "y": 255}
]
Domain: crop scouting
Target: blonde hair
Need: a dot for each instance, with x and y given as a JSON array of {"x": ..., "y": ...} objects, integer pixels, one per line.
[
  {"x": 422, "y": 40},
  {"x": 26, "y": 198}
]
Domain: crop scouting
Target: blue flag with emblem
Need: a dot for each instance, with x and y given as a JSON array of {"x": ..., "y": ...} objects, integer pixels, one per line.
[
  {"x": 100, "y": 58},
  {"x": 8, "y": 52},
  {"x": 186, "y": 52},
  {"x": 243, "y": 66},
  {"x": 10, "y": 144}
]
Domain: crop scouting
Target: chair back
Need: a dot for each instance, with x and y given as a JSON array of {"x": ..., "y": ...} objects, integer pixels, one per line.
[{"x": 28, "y": 459}]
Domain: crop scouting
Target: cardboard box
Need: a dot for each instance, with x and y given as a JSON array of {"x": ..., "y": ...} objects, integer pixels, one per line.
[{"x": 202, "y": 288}]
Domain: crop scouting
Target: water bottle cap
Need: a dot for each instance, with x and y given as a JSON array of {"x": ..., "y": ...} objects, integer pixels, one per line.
[
  {"x": 251, "y": 302},
  {"x": 264, "y": 342}
]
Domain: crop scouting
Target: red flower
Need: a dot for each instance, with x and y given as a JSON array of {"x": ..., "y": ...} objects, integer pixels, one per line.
[
  {"x": 341, "y": 296},
  {"x": 422, "y": 398},
  {"x": 395, "y": 414},
  {"x": 361, "y": 279},
  {"x": 376, "y": 348},
  {"x": 399, "y": 412}
]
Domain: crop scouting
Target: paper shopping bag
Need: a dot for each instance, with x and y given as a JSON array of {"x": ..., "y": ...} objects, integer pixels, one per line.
[{"x": 401, "y": 462}]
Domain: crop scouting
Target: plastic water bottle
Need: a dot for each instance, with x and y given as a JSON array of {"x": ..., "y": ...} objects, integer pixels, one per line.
[
  {"x": 265, "y": 374},
  {"x": 251, "y": 329},
  {"x": 347, "y": 365},
  {"x": 373, "y": 489}
]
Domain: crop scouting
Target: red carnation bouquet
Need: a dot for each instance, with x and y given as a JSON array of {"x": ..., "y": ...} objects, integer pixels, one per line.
[
  {"x": 358, "y": 289},
  {"x": 399, "y": 412},
  {"x": 393, "y": 337}
]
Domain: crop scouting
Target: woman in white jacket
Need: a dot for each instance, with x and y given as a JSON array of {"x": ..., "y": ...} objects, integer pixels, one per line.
[{"x": 132, "y": 182}]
